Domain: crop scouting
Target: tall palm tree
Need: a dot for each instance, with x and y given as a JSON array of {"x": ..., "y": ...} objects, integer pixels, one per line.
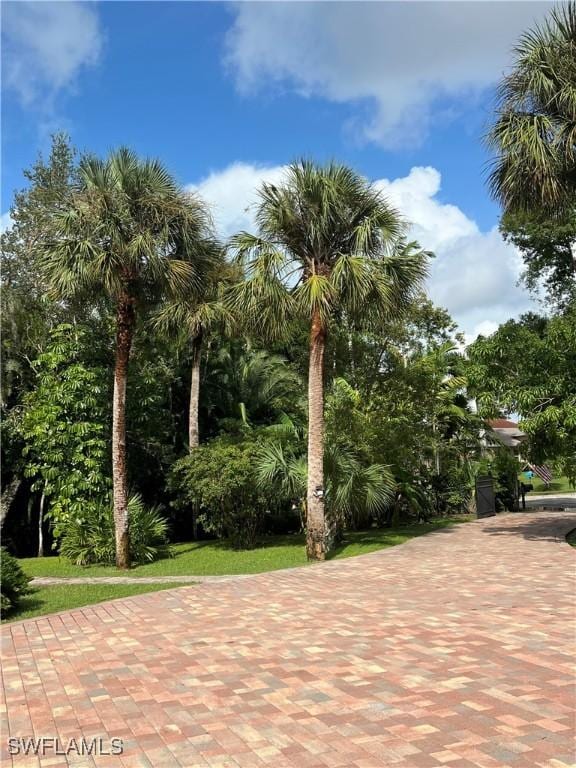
[
  {"x": 194, "y": 318},
  {"x": 328, "y": 243},
  {"x": 534, "y": 135},
  {"x": 130, "y": 234}
]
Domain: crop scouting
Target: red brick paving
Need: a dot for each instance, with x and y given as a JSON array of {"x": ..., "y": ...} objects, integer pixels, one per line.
[{"x": 455, "y": 649}]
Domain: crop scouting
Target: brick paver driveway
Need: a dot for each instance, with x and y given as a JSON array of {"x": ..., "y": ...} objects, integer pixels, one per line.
[{"x": 453, "y": 649}]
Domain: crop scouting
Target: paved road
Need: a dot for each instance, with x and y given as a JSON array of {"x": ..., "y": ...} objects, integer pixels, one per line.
[
  {"x": 551, "y": 500},
  {"x": 454, "y": 649}
]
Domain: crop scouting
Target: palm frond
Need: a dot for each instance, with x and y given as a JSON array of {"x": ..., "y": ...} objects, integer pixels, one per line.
[
  {"x": 129, "y": 229},
  {"x": 533, "y": 137}
]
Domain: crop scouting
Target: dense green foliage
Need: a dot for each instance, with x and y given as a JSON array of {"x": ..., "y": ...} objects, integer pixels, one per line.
[
  {"x": 528, "y": 367},
  {"x": 13, "y": 582},
  {"x": 218, "y": 480},
  {"x": 64, "y": 429},
  {"x": 217, "y": 431},
  {"x": 548, "y": 248}
]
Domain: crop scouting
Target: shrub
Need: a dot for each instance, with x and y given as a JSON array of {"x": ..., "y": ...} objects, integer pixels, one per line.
[
  {"x": 90, "y": 539},
  {"x": 219, "y": 480},
  {"x": 14, "y": 582}
]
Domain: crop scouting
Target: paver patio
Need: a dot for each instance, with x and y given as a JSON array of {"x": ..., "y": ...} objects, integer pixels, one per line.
[{"x": 455, "y": 649}]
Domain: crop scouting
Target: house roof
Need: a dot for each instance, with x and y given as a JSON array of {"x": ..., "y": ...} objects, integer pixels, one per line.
[
  {"x": 506, "y": 432},
  {"x": 502, "y": 424}
]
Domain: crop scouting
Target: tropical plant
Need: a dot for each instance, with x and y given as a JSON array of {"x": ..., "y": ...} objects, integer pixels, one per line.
[
  {"x": 328, "y": 244},
  {"x": 132, "y": 235},
  {"x": 357, "y": 491},
  {"x": 534, "y": 135},
  {"x": 89, "y": 537},
  {"x": 447, "y": 409},
  {"x": 13, "y": 582},
  {"x": 247, "y": 386}
]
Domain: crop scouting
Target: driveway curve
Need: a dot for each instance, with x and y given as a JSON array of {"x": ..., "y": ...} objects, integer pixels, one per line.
[{"x": 454, "y": 649}]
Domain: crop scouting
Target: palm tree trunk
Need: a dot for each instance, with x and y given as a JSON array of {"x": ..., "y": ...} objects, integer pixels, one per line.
[
  {"x": 40, "y": 531},
  {"x": 125, "y": 319},
  {"x": 7, "y": 497},
  {"x": 316, "y": 534},
  {"x": 193, "y": 432}
]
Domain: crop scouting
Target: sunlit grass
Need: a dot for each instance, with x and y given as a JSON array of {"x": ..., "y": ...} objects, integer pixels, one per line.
[
  {"x": 214, "y": 558},
  {"x": 44, "y": 600},
  {"x": 558, "y": 485}
]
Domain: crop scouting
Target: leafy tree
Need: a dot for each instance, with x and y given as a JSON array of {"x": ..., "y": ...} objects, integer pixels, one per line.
[
  {"x": 528, "y": 366},
  {"x": 130, "y": 234},
  {"x": 219, "y": 479},
  {"x": 534, "y": 135},
  {"x": 548, "y": 248},
  {"x": 62, "y": 425},
  {"x": 27, "y": 313},
  {"x": 328, "y": 245}
]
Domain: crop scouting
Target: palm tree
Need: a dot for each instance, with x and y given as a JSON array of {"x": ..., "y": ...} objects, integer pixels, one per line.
[
  {"x": 194, "y": 318},
  {"x": 328, "y": 243},
  {"x": 130, "y": 234},
  {"x": 534, "y": 135}
]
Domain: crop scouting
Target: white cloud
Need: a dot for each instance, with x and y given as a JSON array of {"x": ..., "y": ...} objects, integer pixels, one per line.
[
  {"x": 232, "y": 194},
  {"x": 396, "y": 60},
  {"x": 485, "y": 328},
  {"x": 474, "y": 273},
  {"x": 46, "y": 45}
]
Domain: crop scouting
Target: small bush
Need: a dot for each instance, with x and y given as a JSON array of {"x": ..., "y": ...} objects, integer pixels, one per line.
[
  {"x": 219, "y": 480},
  {"x": 14, "y": 582},
  {"x": 89, "y": 540}
]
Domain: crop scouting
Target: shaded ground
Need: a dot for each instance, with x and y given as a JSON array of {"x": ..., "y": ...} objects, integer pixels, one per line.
[{"x": 454, "y": 649}]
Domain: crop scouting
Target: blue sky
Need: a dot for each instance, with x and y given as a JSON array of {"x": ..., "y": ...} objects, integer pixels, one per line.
[{"x": 226, "y": 94}]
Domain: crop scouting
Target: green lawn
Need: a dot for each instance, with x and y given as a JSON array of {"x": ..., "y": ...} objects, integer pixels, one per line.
[
  {"x": 558, "y": 485},
  {"x": 213, "y": 558},
  {"x": 43, "y": 600}
]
